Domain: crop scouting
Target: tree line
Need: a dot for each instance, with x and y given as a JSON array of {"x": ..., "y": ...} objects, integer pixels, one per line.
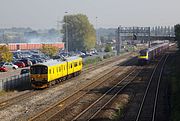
[{"x": 177, "y": 34}]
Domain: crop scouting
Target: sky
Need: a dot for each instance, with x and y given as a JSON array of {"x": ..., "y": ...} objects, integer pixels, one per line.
[{"x": 44, "y": 14}]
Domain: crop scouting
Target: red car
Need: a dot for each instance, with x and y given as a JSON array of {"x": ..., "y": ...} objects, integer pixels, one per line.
[
  {"x": 19, "y": 64},
  {"x": 3, "y": 69}
]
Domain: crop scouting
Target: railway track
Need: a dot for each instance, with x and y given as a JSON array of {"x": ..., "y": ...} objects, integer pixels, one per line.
[
  {"x": 62, "y": 106},
  {"x": 147, "y": 110},
  {"x": 95, "y": 108},
  {"x": 24, "y": 96},
  {"x": 6, "y": 103}
]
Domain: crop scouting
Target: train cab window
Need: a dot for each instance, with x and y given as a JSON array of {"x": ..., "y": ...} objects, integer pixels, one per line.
[
  {"x": 71, "y": 66},
  {"x": 142, "y": 53},
  {"x": 39, "y": 70}
]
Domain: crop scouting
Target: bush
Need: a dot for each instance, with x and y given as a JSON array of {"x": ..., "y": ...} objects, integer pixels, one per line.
[
  {"x": 94, "y": 60},
  {"x": 108, "y": 48},
  {"x": 106, "y": 56}
]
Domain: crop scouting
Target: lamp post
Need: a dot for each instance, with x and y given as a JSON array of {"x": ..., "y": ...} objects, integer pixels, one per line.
[
  {"x": 66, "y": 33},
  {"x": 97, "y": 32}
]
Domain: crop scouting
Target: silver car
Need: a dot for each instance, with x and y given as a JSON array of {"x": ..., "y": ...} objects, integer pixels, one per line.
[{"x": 9, "y": 65}]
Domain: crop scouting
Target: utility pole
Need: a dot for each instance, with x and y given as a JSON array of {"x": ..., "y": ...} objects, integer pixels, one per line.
[
  {"x": 118, "y": 41},
  {"x": 149, "y": 39},
  {"x": 96, "y": 32},
  {"x": 66, "y": 32}
]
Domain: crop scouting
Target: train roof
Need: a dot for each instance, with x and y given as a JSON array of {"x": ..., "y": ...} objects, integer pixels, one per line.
[
  {"x": 54, "y": 62},
  {"x": 72, "y": 58},
  {"x": 51, "y": 63},
  {"x": 157, "y": 46}
]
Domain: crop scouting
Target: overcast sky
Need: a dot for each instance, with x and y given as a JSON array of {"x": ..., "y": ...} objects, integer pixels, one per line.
[{"x": 43, "y": 14}]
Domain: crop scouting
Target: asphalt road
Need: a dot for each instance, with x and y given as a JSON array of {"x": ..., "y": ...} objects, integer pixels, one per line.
[{"x": 10, "y": 73}]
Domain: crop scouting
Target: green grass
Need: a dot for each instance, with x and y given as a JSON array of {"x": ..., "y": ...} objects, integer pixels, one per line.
[
  {"x": 91, "y": 61},
  {"x": 175, "y": 94},
  {"x": 117, "y": 114},
  {"x": 2, "y": 92}
]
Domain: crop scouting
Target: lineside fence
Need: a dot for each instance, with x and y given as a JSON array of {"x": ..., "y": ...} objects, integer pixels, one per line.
[{"x": 19, "y": 82}]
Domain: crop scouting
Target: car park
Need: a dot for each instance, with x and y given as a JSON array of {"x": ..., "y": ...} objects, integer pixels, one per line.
[
  {"x": 19, "y": 64},
  {"x": 25, "y": 71},
  {"x": 27, "y": 62},
  {"x": 8, "y": 65}
]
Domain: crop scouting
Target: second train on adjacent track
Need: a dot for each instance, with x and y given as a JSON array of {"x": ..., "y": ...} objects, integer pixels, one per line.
[{"x": 149, "y": 54}]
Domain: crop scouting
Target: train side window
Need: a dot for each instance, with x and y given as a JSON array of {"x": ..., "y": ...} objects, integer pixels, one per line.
[
  {"x": 53, "y": 70},
  {"x": 49, "y": 71},
  {"x": 71, "y": 65},
  {"x": 64, "y": 68},
  {"x": 79, "y": 63},
  {"x": 57, "y": 69},
  {"x": 75, "y": 64}
]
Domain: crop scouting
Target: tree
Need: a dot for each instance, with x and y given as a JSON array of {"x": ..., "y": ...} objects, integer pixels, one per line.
[
  {"x": 49, "y": 50},
  {"x": 5, "y": 54},
  {"x": 81, "y": 34},
  {"x": 177, "y": 33}
]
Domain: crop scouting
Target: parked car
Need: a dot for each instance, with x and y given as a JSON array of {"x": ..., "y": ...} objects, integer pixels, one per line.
[
  {"x": 3, "y": 69},
  {"x": 8, "y": 65},
  {"x": 27, "y": 62},
  {"x": 24, "y": 71},
  {"x": 19, "y": 64}
]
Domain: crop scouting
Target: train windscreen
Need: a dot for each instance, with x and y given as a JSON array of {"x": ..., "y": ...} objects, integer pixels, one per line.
[
  {"x": 39, "y": 70},
  {"x": 142, "y": 53}
]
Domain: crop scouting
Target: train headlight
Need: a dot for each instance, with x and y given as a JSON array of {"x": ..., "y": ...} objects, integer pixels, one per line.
[{"x": 32, "y": 78}]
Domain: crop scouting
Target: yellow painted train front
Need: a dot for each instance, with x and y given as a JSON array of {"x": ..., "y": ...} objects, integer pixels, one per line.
[{"x": 49, "y": 73}]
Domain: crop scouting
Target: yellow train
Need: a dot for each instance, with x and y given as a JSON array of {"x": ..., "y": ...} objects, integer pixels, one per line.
[{"x": 43, "y": 75}]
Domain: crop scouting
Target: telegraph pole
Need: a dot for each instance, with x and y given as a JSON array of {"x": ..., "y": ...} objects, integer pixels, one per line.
[
  {"x": 96, "y": 32},
  {"x": 118, "y": 41},
  {"x": 149, "y": 39},
  {"x": 66, "y": 33}
]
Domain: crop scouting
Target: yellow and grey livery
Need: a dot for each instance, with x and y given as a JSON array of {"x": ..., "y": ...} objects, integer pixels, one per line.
[{"x": 45, "y": 74}]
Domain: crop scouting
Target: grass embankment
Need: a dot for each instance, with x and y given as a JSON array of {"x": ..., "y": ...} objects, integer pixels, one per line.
[
  {"x": 97, "y": 59},
  {"x": 2, "y": 92},
  {"x": 175, "y": 94}
]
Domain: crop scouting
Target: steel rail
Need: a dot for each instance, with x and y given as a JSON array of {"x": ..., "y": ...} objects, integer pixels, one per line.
[
  {"x": 105, "y": 94},
  {"x": 157, "y": 90},
  {"x": 147, "y": 89}
]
